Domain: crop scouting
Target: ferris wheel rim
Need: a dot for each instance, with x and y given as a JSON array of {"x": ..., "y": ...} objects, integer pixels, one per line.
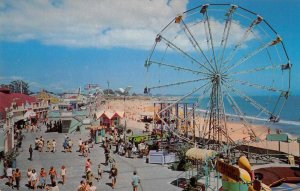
[{"x": 212, "y": 72}]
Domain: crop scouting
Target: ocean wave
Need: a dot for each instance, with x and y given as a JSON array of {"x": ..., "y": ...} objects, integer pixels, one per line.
[{"x": 281, "y": 121}]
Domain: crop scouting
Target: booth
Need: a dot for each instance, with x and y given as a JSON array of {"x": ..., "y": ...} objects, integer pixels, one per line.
[
  {"x": 109, "y": 118},
  {"x": 161, "y": 157}
]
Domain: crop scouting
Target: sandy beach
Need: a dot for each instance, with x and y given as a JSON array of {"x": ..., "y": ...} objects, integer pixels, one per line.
[{"x": 134, "y": 107}]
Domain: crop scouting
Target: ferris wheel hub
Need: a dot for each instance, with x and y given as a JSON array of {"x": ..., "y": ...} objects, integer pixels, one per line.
[{"x": 217, "y": 78}]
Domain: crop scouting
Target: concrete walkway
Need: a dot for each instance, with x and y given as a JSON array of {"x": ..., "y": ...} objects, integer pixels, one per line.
[{"x": 153, "y": 177}]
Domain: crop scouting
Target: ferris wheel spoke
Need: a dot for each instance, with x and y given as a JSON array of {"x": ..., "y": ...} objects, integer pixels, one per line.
[
  {"x": 254, "y": 70},
  {"x": 226, "y": 32},
  {"x": 196, "y": 44},
  {"x": 169, "y": 43},
  {"x": 252, "y": 54},
  {"x": 239, "y": 112},
  {"x": 177, "y": 83},
  {"x": 257, "y": 86},
  {"x": 179, "y": 68},
  {"x": 248, "y": 99},
  {"x": 242, "y": 40},
  {"x": 205, "y": 12},
  {"x": 182, "y": 98}
]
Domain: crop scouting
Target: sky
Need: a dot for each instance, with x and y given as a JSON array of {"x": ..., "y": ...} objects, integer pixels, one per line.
[{"x": 61, "y": 45}]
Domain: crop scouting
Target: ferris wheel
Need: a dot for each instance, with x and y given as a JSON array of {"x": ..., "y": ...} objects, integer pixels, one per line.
[{"x": 229, "y": 58}]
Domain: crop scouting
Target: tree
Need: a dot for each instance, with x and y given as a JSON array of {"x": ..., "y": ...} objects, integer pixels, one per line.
[{"x": 19, "y": 86}]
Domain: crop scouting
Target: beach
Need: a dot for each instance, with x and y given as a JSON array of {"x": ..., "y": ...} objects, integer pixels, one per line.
[{"x": 136, "y": 106}]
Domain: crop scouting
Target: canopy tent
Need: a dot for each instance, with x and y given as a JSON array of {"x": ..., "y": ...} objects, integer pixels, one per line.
[{"x": 199, "y": 154}]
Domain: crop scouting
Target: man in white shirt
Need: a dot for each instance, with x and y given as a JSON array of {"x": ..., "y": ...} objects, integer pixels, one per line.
[
  {"x": 80, "y": 144},
  {"x": 9, "y": 175}
]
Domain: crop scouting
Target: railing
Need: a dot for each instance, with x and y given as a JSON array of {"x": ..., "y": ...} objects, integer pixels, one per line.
[{"x": 74, "y": 127}]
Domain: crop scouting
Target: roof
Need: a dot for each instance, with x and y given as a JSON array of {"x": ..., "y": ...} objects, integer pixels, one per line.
[
  {"x": 7, "y": 99},
  {"x": 109, "y": 114}
]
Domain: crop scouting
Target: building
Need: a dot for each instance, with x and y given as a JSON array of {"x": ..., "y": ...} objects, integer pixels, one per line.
[{"x": 15, "y": 110}]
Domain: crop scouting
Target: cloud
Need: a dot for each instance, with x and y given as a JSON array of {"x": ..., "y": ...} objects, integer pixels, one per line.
[{"x": 89, "y": 23}]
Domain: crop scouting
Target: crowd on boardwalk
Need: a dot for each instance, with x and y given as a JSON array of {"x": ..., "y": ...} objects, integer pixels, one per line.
[{"x": 50, "y": 178}]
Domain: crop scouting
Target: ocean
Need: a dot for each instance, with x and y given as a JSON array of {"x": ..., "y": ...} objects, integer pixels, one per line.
[{"x": 289, "y": 118}]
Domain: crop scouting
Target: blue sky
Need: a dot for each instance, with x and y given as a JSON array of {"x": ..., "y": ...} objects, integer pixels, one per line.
[{"x": 61, "y": 45}]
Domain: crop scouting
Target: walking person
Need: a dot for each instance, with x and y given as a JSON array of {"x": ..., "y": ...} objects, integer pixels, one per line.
[
  {"x": 17, "y": 175},
  {"x": 100, "y": 172},
  {"x": 49, "y": 145},
  {"x": 106, "y": 153},
  {"x": 43, "y": 176},
  {"x": 13, "y": 179},
  {"x": 88, "y": 165},
  {"x": 111, "y": 162},
  {"x": 53, "y": 174},
  {"x": 89, "y": 176},
  {"x": 63, "y": 174},
  {"x": 33, "y": 179},
  {"x": 9, "y": 174},
  {"x": 86, "y": 150},
  {"x": 70, "y": 145},
  {"x": 54, "y": 146},
  {"x": 79, "y": 145},
  {"x": 113, "y": 176},
  {"x": 30, "y": 152},
  {"x": 29, "y": 172},
  {"x": 135, "y": 181}
]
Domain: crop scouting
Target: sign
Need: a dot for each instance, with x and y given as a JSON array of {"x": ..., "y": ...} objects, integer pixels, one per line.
[
  {"x": 278, "y": 137},
  {"x": 228, "y": 170}
]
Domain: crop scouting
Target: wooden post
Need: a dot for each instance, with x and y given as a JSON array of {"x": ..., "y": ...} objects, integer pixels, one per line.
[{"x": 279, "y": 145}]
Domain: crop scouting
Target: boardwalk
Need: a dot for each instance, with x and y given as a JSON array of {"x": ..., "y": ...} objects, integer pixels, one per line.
[{"x": 153, "y": 177}]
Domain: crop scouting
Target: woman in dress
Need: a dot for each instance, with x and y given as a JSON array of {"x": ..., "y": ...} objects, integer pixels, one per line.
[
  {"x": 33, "y": 179},
  {"x": 29, "y": 172},
  {"x": 63, "y": 174}
]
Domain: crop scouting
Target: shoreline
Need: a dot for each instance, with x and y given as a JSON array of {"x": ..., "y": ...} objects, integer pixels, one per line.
[{"x": 134, "y": 107}]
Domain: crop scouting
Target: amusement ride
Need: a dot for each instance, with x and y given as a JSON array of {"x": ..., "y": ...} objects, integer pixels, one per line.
[{"x": 227, "y": 65}]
